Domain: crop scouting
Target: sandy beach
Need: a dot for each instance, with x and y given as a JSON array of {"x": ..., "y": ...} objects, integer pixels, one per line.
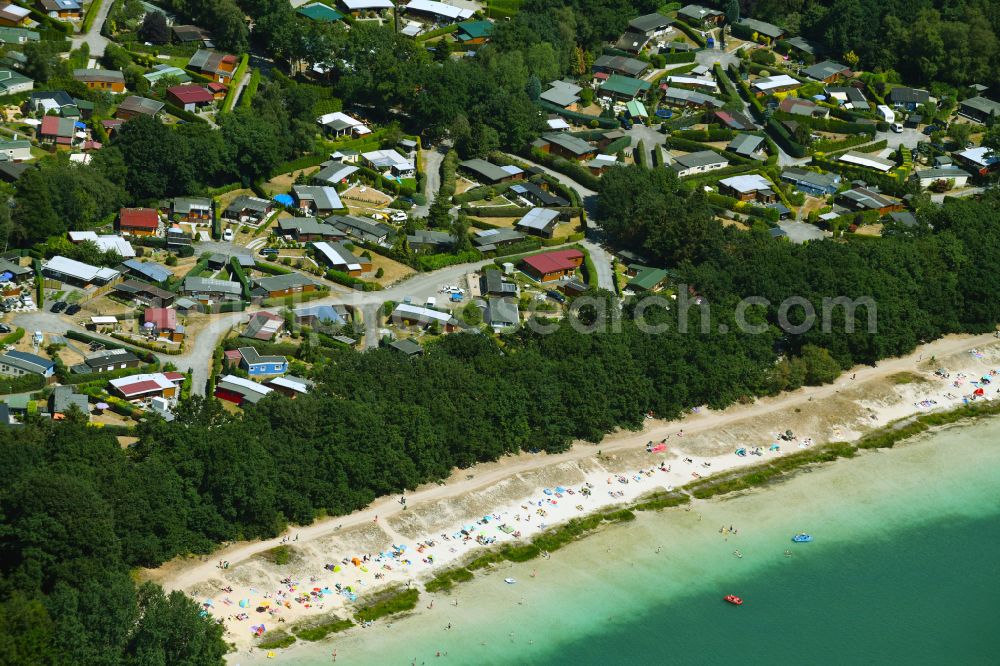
[{"x": 335, "y": 564}]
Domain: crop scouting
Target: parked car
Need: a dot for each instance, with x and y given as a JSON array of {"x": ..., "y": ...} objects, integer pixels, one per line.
[
  {"x": 930, "y": 129},
  {"x": 73, "y": 309},
  {"x": 555, "y": 296},
  {"x": 269, "y": 252},
  {"x": 58, "y": 306},
  {"x": 227, "y": 235},
  {"x": 896, "y": 127},
  {"x": 4, "y": 328}
]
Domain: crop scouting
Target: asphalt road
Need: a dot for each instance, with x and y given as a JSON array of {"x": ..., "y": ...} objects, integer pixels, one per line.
[{"x": 95, "y": 41}]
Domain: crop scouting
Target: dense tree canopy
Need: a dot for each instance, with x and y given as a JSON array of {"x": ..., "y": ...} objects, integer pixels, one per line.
[{"x": 954, "y": 42}]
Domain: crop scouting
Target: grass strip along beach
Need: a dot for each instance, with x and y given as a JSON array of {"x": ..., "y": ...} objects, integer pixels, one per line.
[{"x": 531, "y": 506}]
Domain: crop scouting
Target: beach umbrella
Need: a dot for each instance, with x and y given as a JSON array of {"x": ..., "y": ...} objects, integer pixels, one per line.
[
  {"x": 336, "y": 568},
  {"x": 244, "y": 603}
]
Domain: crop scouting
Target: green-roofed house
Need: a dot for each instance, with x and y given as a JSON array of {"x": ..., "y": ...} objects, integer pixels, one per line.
[
  {"x": 317, "y": 11},
  {"x": 12, "y": 82},
  {"x": 162, "y": 71},
  {"x": 84, "y": 108},
  {"x": 646, "y": 280},
  {"x": 636, "y": 109},
  {"x": 472, "y": 33},
  {"x": 623, "y": 87},
  {"x": 10, "y": 35},
  {"x": 15, "y": 150}
]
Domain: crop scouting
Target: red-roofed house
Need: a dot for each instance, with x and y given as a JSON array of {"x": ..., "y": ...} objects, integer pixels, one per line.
[
  {"x": 233, "y": 358},
  {"x": 550, "y": 266},
  {"x": 217, "y": 89},
  {"x": 140, "y": 387},
  {"x": 189, "y": 97},
  {"x": 138, "y": 221},
  {"x": 164, "y": 323},
  {"x": 61, "y": 131}
]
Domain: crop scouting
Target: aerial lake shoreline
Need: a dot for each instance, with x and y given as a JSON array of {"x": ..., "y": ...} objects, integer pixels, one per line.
[{"x": 606, "y": 524}]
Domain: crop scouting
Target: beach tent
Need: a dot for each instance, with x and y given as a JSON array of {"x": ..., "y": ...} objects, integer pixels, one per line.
[
  {"x": 355, "y": 561},
  {"x": 244, "y": 603}
]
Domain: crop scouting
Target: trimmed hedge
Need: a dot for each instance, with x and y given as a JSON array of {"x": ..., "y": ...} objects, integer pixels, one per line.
[
  {"x": 234, "y": 264},
  {"x": 678, "y": 57},
  {"x": 230, "y": 100},
  {"x": 690, "y": 32},
  {"x": 21, "y": 384},
  {"x": 108, "y": 376},
  {"x": 828, "y": 124},
  {"x": 480, "y": 193},
  {"x": 12, "y": 337},
  {"x": 350, "y": 281},
  {"x": 574, "y": 170},
  {"x": 437, "y": 32},
  {"x": 713, "y": 133}
]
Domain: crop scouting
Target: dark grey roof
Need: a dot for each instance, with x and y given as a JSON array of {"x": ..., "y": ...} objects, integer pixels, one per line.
[
  {"x": 824, "y": 70},
  {"x": 697, "y": 12},
  {"x": 212, "y": 286},
  {"x": 650, "y": 22},
  {"x": 766, "y": 29},
  {"x": 982, "y": 104},
  {"x": 306, "y": 225},
  {"x": 183, "y": 205},
  {"x": 865, "y": 198},
  {"x": 324, "y": 197},
  {"x": 284, "y": 281},
  {"x": 108, "y": 356},
  {"x": 803, "y": 45},
  {"x": 745, "y": 144},
  {"x": 700, "y": 158},
  {"x": 137, "y": 104},
  {"x": 488, "y": 239},
  {"x": 542, "y": 196},
  {"x": 148, "y": 269},
  {"x": 358, "y": 226},
  {"x": 246, "y": 202},
  {"x": 573, "y": 144},
  {"x": 407, "y": 346},
  {"x": 904, "y": 95},
  {"x": 63, "y": 398},
  {"x": 904, "y": 217},
  {"x": 821, "y": 180},
  {"x": 489, "y": 171},
  {"x": 623, "y": 64},
  {"x": 425, "y": 237},
  {"x": 253, "y": 357},
  {"x": 503, "y": 312},
  {"x": 675, "y": 95}
]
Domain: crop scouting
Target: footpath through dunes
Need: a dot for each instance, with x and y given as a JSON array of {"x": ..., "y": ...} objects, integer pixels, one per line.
[{"x": 837, "y": 412}]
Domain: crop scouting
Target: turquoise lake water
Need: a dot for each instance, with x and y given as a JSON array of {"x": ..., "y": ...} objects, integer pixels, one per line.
[{"x": 904, "y": 569}]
